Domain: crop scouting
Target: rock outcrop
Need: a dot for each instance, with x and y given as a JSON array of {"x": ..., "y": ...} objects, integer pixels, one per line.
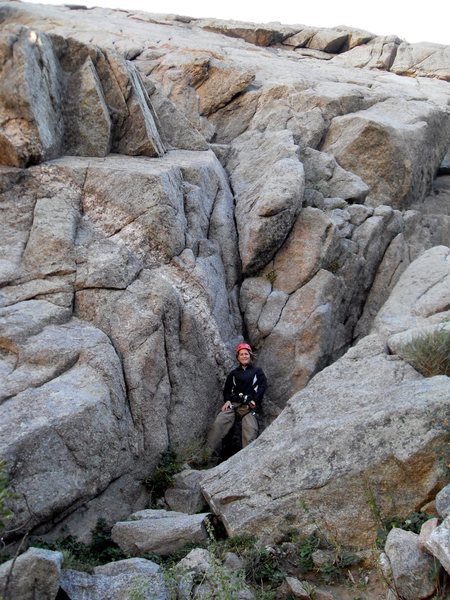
[
  {"x": 169, "y": 186},
  {"x": 369, "y": 424}
]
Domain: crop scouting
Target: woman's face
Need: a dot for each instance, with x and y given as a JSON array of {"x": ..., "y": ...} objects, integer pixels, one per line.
[{"x": 244, "y": 357}]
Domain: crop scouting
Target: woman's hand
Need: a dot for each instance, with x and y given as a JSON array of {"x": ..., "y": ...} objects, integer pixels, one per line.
[{"x": 226, "y": 406}]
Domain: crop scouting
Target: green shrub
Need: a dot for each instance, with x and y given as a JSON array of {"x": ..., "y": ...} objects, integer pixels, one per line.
[
  {"x": 5, "y": 496},
  {"x": 84, "y": 557},
  {"x": 162, "y": 477},
  {"x": 429, "y": 353},
  {"x": 262, "y": 567}
]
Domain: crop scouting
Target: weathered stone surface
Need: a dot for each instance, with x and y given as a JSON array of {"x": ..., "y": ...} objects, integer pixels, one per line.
[
  {"x": 253, "y": 33},
  {"x": 443, "y": 502},
  {"x": 294, "y": 587},
  {"x": 31, "y": 123},
  {"x": 378, "y": 53},
  {"x": 438, "y": 544},
  {"x": 295, "y": 309},
  {"x": 118, "y": 580},
  {"x": 268, "y": 182},
  {"x": 67, "y": 392},
  {"x": 88, "y": 127},
  {"x": 174, "y": 128},
  {"x": 145, "y": 250},
  {"x": 201, "y": 576},
  {"x": 398, "y": 128},
  {"x": 185, "y": 494},
  {"x": 413, "y": 571},
  {"x": 425, "y": 532},
  {"x": 33, "y": 576},
  {"x": 297, "y": 456},
  {"x": 421, "y": 292},
  {"x": 315, "y": 447},
  {"x": 421, "y": 59},
  {"x": 163, "y": 532},
  {"x": 139, "y": 134},
  {"x": 324, "y": 175}
]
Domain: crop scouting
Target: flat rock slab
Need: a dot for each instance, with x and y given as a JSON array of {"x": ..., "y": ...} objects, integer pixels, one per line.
[
  {"x": 159, "y": 531},
  {"x": 134, "y": 577}
]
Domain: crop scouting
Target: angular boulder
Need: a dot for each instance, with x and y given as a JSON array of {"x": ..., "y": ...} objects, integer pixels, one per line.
[
  {"x": 413, "y": 571},
  {"x": 31, "y": 120},
  {"x": 120, "y": 580},
  {"x": 403, "y": 171},
  {"x": 159, "y": 531},
  {"x": 268, "y": 182},
  {"x": 33, "y": 575}
]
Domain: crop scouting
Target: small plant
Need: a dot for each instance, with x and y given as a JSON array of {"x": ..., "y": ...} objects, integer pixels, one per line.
[
  {"x": 162, "y": 477},
  {"x": 84, "y": 557},
  {"x": 6, "y": 495},
  {"x": 429, "y": 353},
  {"x": 306, "y": 547},
  {"x": 271, "y": 276},
  {"x": 262, "y": 567}
]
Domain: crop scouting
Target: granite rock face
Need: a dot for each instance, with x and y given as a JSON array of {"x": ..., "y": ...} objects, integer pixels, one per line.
[
  {"x": 169, "y": 186},
  {"x": 363, "y": 424}
]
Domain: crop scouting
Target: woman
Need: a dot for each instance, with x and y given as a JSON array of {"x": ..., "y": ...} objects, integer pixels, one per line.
[{"x": 243, "y": 394}]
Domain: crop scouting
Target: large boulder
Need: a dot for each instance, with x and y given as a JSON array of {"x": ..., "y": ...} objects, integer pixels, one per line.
[
  {"x": 412, "y": 573},
  {"x": 368, "y": 425},
  {"x": 34, "y": 575},
  {"x": 120, "y": 580},
  {"x": 31, "y": 119},
  {"x": 391, "y": 149},
  {"x": 424, "y": 59},
  {"x": 65, "y": 424},
  {"x": 159, "y": 531},
  {"x": 268, "y": 182}
]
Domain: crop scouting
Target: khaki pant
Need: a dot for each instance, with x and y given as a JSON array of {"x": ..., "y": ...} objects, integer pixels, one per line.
[{"x": 224, "y": 422}]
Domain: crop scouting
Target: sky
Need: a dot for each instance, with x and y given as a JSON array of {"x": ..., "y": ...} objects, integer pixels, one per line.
[{"x": 414, "y": 22}]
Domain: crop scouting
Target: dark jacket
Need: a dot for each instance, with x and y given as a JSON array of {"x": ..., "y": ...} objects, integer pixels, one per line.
[{"x": 249, "y": 381}]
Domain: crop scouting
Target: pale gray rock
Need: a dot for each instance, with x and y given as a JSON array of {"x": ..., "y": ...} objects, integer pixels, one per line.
[
  {"x": 295, "y": 587},
  {"x": 33, "y": 575},
  {"x": 312, "y": 450},
  {"x": 163, "y": 534},
  {"x": 403, "y": 171},
  {"x": 328, "y": 40},
  {"x": 31, "y": 122},
  {"x": 233, "y": 562},
  {"x": 438, "y": 544},
  {"x": 268, "y": 182},
  {"x": 258, "y": 34},
  {"x": 413, "y": 571},
  {"x": 423, "y": 59},
  {"x": 202, "y": 576},
  {"x": 139, "y": 134},
  {"x": 88, "y": 127},
  {"x": 185, "y": 494},
  {"x": 398, "y": 341},
  {"x": 327, "y": 177},
  {"x": 104, "y": 263},
  {"x": 119, "y": 580},
  {"x": 421, "y": 292},
  {"x": 425, "y": 532},
  {"x": 75, "y": 435},
  {"x": 221, "y": 83},
  {"x": 443, "y": 502},
  {"x": 174, "y": 128},
  {"x": 378, "y": 53},
  {"x": 295, "y": 309}
]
